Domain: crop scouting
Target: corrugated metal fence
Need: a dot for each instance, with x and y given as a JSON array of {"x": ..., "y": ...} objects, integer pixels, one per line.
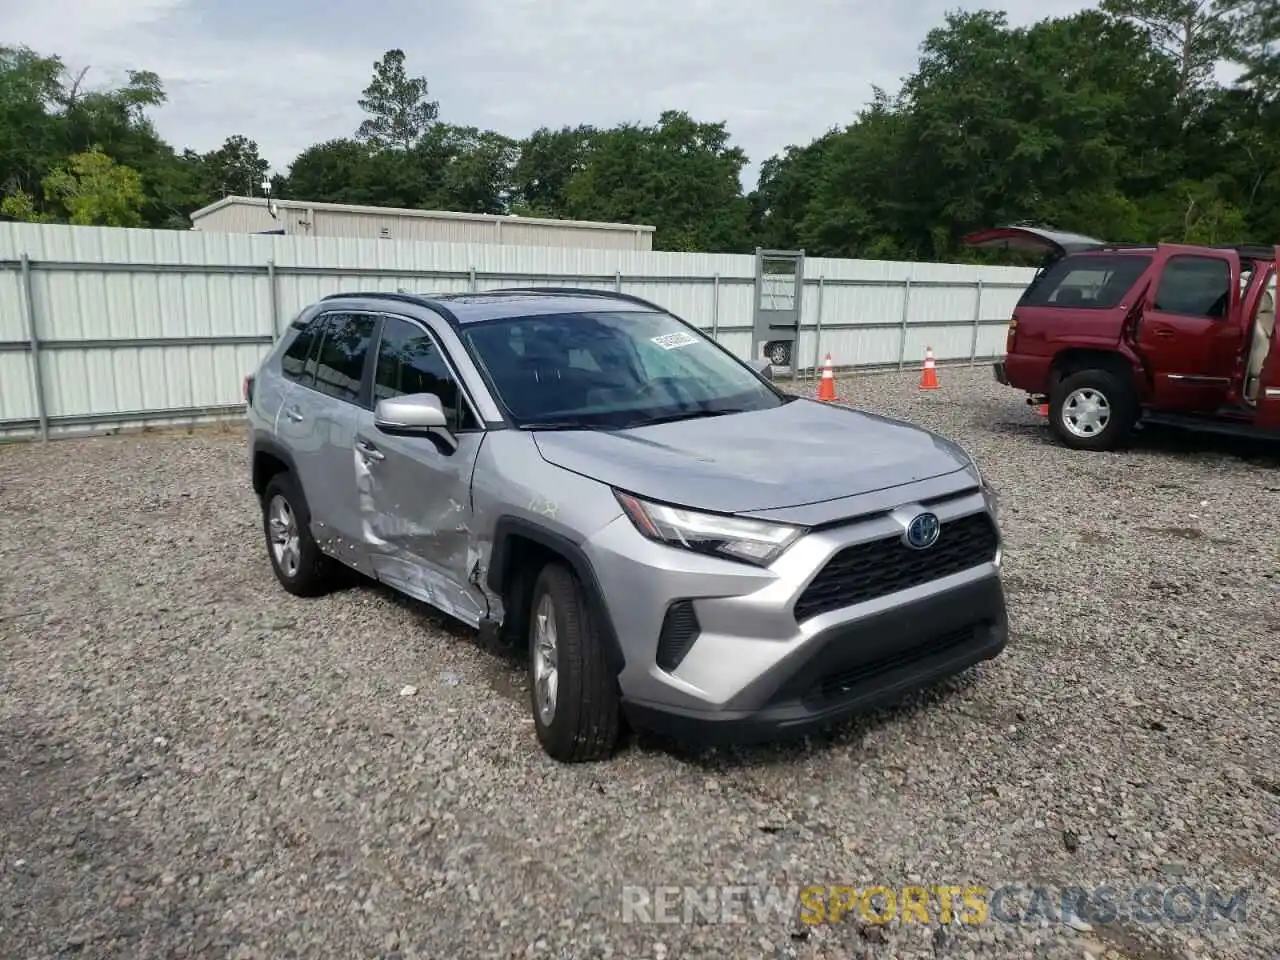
[{"x": 106, "y": 328}]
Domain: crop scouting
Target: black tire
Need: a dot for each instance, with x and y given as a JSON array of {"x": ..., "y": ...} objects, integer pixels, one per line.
[
  {"x": 1120, "y": 401},
  {"x": 584, "y": 724},
  {"x": 315, "y": 574}
]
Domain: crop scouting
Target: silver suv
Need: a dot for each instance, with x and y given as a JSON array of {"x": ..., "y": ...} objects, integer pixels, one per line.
[{"x": 677, "y": 541}]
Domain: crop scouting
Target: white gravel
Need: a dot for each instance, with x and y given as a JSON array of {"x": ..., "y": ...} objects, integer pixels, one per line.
[{"x": 195, "y": 764}]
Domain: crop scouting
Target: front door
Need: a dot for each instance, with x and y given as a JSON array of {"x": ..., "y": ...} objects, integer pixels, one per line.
[
  {"x": 1189, "y": 333},
  {"x": 1268, "y": 416},
  {"x": 776, "y": 318},
  {"x": 414, "y": 492}
]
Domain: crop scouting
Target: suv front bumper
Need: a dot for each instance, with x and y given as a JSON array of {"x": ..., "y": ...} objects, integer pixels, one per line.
[
  {"x": 751, "y": 665},
  {"x": 855, "y": 667}
]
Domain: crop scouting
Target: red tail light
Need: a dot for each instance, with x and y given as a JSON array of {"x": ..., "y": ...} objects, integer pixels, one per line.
[{"x": 1011, "y": 339}]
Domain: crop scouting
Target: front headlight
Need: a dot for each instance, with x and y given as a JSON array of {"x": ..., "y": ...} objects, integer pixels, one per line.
[{"x": 739, "y": 538}]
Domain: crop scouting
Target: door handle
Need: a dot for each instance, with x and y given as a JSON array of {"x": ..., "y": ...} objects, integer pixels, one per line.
[
  {"x": 294, "y": 414},
  {"x": 1164, "y": 333},
  {"x": 369, "y": 450}
]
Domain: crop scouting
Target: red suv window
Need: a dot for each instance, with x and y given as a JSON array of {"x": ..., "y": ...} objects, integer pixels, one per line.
[{"x": 1086, "y": 282}]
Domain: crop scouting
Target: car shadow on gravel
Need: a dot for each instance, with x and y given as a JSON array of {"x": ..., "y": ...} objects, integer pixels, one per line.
[
  {"x": 841, "y": 735},
  {"x": 1156, "y": 439},
  {"x": 505, "y": 669},
  {"x": 1160, "y": 439}
]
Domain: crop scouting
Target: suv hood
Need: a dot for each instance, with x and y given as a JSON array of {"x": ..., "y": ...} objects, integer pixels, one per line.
[{"x": 799, "y": 453}]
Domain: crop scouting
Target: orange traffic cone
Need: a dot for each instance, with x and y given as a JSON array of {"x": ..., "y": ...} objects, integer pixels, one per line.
[
  {"x": 827, "y": 385},
  {"x": 929, "y": 375}
]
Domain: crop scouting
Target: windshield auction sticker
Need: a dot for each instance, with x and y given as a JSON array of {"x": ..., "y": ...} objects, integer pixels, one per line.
[{"x": 669, "y": 341}]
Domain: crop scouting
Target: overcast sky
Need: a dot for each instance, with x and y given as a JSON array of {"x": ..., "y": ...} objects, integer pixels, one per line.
[{"x": 287, "y": 73}]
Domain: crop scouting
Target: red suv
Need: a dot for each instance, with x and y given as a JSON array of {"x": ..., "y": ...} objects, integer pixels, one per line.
[{"x": 1110, "y": 334}]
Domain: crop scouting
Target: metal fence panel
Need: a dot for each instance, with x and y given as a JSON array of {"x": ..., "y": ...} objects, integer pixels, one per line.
[{"x": 136, "y": 326}]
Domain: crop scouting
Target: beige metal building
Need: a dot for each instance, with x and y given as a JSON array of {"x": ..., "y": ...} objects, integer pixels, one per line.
[{"x": 300, "y": 218}]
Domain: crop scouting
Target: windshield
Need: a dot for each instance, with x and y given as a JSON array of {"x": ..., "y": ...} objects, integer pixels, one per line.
[{"x": 610, "y": 369}]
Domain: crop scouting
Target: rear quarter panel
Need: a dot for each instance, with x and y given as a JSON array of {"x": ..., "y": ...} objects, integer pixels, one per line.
[
  {"x": 270, "y": 389},
  {"x": 1045, "y": 332}
]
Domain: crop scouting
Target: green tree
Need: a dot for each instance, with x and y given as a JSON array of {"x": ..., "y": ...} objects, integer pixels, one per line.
[
  {"x": 399, "y": 111},
  {"x": 31, "y": 139},
  {"x": 235, "y": 169},
  {"x": 1257, "y": 41},
  {"x": 855, "y": 203},
  {"x": 681, "y": 176},
  {"x": 478, "y": 174},
  {"x": 547, "y": 161},
  {"x": 96, "y": 191},
  {"x": 1196, "y": 35},
  {"x": 20, "y": 205}
]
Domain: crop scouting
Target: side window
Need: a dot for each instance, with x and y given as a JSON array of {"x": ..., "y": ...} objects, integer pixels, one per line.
[
  {"x": 409, "y": 361},
  {"x": 1091, "y": 281},
  {"x": 1192, "y": 286},
  {"x": 340, "y": 363},
  {"x": 293, "y": 362}
]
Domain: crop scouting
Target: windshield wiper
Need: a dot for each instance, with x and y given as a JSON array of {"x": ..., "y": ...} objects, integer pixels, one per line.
[
  {"x": 563, "y": 425},
  {"x": 685, "y": 415}
]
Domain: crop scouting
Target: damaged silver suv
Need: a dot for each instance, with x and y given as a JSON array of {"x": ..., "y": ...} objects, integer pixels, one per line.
[{"x": 676, "y": 541}]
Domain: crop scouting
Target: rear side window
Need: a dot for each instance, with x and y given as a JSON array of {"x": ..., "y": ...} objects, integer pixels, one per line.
[
  {"x": 1192, "y": 286},
  {"x": 339, "y": 365},
  {"x": 294, "y": 361},
  {"x": 1087, "y": 282}
]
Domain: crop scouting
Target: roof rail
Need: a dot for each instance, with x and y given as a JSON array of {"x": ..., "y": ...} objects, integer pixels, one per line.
[
  {"x": 1250, "y": 251},
  {"x": 377, "y": 295},
  {"x": 583, "y": 292}
]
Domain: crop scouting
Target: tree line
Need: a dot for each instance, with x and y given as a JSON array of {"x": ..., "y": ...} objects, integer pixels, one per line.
[{"x": 1109, "y": 122}]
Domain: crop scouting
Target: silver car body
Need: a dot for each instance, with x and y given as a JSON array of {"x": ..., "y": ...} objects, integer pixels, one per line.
[{"x": 442, "y": 523}]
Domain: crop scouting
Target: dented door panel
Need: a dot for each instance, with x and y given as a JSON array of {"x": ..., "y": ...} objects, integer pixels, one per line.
[{"x": 417, "y": 527}]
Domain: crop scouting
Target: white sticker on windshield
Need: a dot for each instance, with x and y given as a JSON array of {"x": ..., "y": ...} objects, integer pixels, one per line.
[{"x": 669, "y": 341}]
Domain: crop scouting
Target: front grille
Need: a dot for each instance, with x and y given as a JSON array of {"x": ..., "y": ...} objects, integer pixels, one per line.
[
  {"x": 866, "y": 571},
  {"x": 680, "y": 628}
]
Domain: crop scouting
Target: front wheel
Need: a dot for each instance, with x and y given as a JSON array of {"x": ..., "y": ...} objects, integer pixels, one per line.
[
  {"x": 1092, "y": 410},
  {"x": 573, "y": 693}
]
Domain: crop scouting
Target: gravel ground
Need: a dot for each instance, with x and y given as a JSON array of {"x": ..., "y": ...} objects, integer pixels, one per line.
[{"x": 195, "y": 764}]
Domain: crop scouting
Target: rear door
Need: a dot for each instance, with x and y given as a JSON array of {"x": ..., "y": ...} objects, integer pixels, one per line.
[
  {"x": 1188, "y": 335},
  {"x": 1268, "y": 416},
  {"x": 414, "y": 492},
  {"x": 318, "y": 420}
]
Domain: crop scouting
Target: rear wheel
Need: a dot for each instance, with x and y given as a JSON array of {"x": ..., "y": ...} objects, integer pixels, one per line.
[
  {"x": 299, "y": 565},
  {"x": 572, "y": 691},
  {"x": 1092, "y": 410}
]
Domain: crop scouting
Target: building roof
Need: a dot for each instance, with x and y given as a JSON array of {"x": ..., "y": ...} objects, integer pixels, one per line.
[{"x": 424, "y": 214}]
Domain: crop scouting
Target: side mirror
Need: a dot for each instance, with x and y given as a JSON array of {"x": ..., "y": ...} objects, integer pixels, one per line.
[
  {"x": 762, "y": 366},
  {"x": 414, "y": 413}
]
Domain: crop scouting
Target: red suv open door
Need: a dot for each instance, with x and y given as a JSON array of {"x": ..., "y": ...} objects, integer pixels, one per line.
[
  {"x": 1268, "y": 416},
  {"x": 1189, "y": 333}
]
